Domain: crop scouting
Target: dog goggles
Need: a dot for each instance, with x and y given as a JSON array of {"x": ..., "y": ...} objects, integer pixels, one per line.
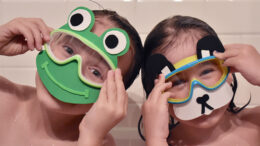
[{"x": 189, "y": 72}]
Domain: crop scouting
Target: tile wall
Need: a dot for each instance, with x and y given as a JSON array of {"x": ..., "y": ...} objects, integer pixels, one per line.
[{"x": 235, "y": 21}]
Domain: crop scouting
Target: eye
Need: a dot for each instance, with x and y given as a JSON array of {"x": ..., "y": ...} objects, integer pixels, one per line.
[
  {"x": 96, "y": 72},
  {"x": 206, "y": 71},
  {"x": 69, "y": 50},
  {"x": 79, "y": 20},
  {"x": 178, "y": 82},
  {"x": 115, "y": 42}
]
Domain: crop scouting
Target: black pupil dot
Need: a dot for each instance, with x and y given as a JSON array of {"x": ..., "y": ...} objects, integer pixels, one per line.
[
  {"x": 96, "y": 73},
  {"x": 76, "y": 19},
  {"x": 111, "y": 41}
]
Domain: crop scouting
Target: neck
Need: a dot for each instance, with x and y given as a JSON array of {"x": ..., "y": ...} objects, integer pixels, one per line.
[
  {"x": 54, "y": 124},
  {"x": 190, "y": 134}
]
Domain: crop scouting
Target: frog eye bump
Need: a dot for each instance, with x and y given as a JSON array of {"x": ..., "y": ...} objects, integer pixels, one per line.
[
  {"x": 79, "y": 20},
  {"x": 115, "y": 42}
]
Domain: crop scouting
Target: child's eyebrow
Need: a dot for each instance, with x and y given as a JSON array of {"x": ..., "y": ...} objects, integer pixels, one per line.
[{"x": 206, "y": 63}]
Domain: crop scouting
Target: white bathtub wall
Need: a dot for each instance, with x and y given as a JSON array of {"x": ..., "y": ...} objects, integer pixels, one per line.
[{"x": 236, "y": 21}]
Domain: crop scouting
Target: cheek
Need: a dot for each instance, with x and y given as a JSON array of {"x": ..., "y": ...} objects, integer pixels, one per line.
[
  {"x": 58, "y": 51},
  {"x": 213, "y": 78}
]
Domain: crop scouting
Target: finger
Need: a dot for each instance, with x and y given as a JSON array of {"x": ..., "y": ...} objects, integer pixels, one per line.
[
  {"x": 126, "y": 103},
  {"x": 37, "y": 36},
  {"x": 161, "y": 79},
  {"x": 28, "y": 35},
  {"x": 45, "y": 30},
  {"x": 233, "y": 46},
  {"x": 225, "y": 55},
  {"x": 156, "y": 81},
  {"x": 102, "y": 98},
  {"x": 120, "y": 88},
  {"x": 232, "y": 63},
  {"x": 165, "y": 96},
  {"x": 111, "y": 87},
  {"x": 24, "y": 47},
  {"x": 158, "y": 90}
]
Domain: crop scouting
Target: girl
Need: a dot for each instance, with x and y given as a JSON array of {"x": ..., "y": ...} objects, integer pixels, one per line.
[
  {"x": 196, "y": 90},
  {"x": 32, "y": 116}
]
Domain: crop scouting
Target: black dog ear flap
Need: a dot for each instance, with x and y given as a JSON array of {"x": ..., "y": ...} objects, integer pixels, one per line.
[
  {"x": 207, "y": 45},
  {"x": 155, "y": 65}
]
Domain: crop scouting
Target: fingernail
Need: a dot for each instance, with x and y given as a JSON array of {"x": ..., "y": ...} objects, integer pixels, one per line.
[
  {"x": 119, "y": 70},
  {"x": 47, "y": 38}
]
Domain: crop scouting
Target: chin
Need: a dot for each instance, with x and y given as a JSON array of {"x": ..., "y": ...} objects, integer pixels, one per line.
[
  {"x": 204, "y": 121},
  {"x": 54, "y": 105}
]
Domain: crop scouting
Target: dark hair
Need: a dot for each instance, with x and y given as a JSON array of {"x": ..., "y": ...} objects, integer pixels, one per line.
[
  {"x": 135, "y": 42},
  {"x": 165, "y": 34}
]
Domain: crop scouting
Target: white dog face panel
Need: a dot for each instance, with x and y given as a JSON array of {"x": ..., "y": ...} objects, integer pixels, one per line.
[{"x": 200, "y": 98}]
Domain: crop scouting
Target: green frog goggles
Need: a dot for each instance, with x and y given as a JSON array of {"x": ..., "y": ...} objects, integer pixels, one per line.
[{"x": 74, "y": 64}]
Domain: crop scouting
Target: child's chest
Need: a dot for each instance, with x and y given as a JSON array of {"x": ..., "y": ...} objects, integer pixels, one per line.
[
  {"x": 16, "y": 135},
  {"x": 16, "y": 129},
  {"x": 244, "y": 135},
  {"x": 241, "y": 137}
]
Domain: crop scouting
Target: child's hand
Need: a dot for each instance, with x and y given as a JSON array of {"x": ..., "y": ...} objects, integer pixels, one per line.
[
  {"x": 156, "y": 115},
  {"x": 23, "y": 34},
  {"x": 109, "y": 110},
  {"x": 244, "y": 59}
]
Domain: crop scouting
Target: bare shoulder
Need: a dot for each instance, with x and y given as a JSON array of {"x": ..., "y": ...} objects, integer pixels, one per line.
[
  {"x": 251, "y": 115},
  {"x": 13, "y": 90},
  {"x": 109, "y": 140}
]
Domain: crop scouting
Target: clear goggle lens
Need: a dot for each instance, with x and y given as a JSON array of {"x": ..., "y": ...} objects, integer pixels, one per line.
[
  {"x": 209, "y": 74},
  {"x": 93, "y": 67}
]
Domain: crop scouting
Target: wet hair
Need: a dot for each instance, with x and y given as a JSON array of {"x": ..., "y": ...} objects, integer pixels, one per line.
[
  {"x": 135, "y": 43},
  {"x": 169, "y": 32}
]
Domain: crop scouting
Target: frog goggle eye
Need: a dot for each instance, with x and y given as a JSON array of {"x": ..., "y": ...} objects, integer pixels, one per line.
[
  {"x": 115, "y": 41},
  {"x": 80, "y": 19},
  {"x": 65, "y": 49},
  {"x": 206, "y": 72}
]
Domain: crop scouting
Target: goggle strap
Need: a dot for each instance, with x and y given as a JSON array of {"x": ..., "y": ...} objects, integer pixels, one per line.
[{"x": 232, "y": 106}]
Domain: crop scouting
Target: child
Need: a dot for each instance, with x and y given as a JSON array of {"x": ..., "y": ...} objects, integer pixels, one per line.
[
  {"x": 195, "y": 79},
  {"x": 35, "y": 116}
]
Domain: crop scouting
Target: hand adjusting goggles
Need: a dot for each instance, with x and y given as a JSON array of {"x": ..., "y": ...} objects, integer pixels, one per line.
[
  {"x": 198, "y": 82},
  {"x": 73, "y": 66}
]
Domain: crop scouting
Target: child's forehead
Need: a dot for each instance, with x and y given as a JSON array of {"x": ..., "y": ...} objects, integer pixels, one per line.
[
  {"x": 101, "y": 25},
  {"x": 183, "y": 46},
  {"x": 176, "y": 54}
]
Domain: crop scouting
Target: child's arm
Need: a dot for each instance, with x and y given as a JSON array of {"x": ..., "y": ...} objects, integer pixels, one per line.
[
  {"x": 23, "y": 34},
  {"x": 156, "y": 115},
  {"x": 244, "y": 59},
  {"x": 107, "y": 112}
]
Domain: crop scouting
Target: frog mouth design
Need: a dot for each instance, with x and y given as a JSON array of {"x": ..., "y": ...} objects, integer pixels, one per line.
[{"x": 44, "y": 66}]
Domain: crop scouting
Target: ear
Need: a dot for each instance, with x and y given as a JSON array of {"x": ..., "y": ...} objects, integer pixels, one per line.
[{"x": 207, "y": 45}]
